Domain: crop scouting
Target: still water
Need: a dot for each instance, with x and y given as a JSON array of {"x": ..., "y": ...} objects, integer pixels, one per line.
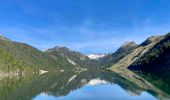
[
  {"x": 99, "y": 92},
  {"x": 88, "y": 85}
]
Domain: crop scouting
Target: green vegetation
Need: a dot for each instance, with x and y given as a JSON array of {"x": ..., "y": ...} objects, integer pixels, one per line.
[
  {"x": 160, "y": 81},
  {"x": 9, "y": 85},
  {"x": 62, "y": 83},
  {"x": 9, "y": 64},
  {"x": 156, "y": 60},
  {"x": 75, "y": 58},
  {"x": 151, "y": 59},
  {"x": 154, "y": 52},
  {"x": 20, "y": 57},
  {"x": 20, "y": 54}
]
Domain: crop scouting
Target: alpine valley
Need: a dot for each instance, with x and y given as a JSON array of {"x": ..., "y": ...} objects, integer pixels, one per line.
[{"x": 136, "y": 68}]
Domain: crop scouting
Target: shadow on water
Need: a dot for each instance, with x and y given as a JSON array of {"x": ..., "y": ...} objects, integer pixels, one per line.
[
  {"x": 160, "y": 81},
  {"x": 62, "y": 83}
]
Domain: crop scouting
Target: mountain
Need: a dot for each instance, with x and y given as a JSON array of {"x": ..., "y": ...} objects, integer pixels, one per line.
[
  {"x": 157, "y": 59},
  {"x": 137, "y": 53},
  {"x": 8, "y": 62},
  {"x": 96, "y": 56},
  {"x": 19, "y": 57},
  {"x": 75, "y": 58},
  {"x": 15, "y": 55},
  {"x": 113, "y": 58},
  {"x": 151, "y": 56}
]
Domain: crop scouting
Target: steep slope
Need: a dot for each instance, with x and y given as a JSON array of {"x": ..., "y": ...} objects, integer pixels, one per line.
[
  {"x": 9, "y": 64},
  {"x": 113, "y": 58},
  {"x": 30, "y": 56},
  {"x": 73, "y": 57},
  {"x": 137, "y": 53},
  {"x": 156, "y": 60}
]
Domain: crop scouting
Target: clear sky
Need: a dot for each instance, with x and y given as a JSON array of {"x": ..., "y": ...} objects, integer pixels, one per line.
[{"x": 89, "y": 26}]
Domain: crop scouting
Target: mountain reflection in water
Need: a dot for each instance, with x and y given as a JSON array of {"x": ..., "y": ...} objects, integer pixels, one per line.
[{"x": 85, "y": 85}]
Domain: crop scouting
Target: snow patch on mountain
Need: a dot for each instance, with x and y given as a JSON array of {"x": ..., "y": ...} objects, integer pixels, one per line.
[
  {"x": 96, "y": 56},
  {"x": 72, "y": 62}
]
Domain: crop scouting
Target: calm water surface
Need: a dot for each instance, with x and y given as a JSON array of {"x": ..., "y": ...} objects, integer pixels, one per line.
[
  {"x": 99, "y": 92},
  {"x": 89, "y": 85}
]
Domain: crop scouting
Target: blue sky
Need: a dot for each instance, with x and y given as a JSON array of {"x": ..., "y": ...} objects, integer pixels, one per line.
[{"x": 89, "y": 26}]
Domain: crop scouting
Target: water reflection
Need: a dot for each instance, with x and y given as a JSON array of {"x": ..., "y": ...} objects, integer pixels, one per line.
[{"x": 84, "y": 85}]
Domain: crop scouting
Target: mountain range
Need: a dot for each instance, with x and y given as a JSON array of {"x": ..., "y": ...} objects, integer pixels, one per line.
[
  {"x": 151, "y": 56},
  {"x": 15, "y": 57}
]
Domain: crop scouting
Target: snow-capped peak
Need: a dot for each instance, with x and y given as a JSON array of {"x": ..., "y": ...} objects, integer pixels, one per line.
[{"x": 96, "y": 56}]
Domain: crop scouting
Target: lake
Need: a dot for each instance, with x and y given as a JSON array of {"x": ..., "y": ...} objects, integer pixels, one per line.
[{"x": 87, "y": 85}]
